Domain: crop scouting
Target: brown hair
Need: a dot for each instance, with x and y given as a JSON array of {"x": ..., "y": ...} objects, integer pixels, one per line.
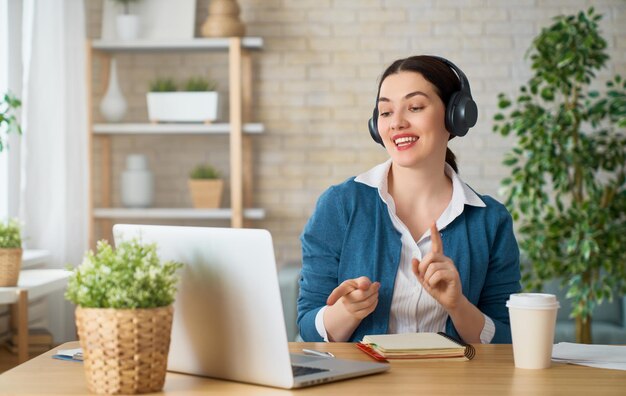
[{"x": 443, "y": 78}]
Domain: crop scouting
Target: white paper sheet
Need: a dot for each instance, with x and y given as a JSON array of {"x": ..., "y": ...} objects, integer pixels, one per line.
[{"x": 600, "y": 356}]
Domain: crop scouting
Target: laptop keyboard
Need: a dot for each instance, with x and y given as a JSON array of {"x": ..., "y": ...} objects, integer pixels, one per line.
[{"x": 303, "y": 370}]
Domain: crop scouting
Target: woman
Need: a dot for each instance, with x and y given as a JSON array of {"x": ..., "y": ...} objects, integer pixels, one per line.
[{"x": 407, "y": 246}]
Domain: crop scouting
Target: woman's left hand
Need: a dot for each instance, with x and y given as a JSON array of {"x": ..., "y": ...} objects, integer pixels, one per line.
[{"x": 438, "y": 275}]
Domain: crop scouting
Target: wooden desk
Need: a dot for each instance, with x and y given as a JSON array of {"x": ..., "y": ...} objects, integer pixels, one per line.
[
  {"x": 32, "y": 284},
  {"x": 490, "y": 373}
]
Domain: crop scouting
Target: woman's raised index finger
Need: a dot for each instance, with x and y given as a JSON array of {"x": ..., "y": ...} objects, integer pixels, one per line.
[{"x": 437, "y": 243}]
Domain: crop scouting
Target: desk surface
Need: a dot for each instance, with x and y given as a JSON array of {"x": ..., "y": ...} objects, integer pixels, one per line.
[{"x": 490, "y": 373}]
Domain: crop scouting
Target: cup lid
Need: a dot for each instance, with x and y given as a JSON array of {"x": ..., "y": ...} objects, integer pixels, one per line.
[{"x": 533, "y": 301}]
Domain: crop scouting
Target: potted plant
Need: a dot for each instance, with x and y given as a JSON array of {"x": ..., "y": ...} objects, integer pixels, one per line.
[
  {"x": 197, "y": 103},
  {"x": 124, "y": 314},
  {"x": 206, "y": 186},
  {"x": 127, "y": 24},
  {"x": 10, "y": 253},
  {"x": 8, "y": 121},
  {"x": 567, "y": 188}
]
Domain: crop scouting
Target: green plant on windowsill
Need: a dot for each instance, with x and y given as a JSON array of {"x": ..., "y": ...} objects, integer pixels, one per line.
[
  {"x": 204, "y": 172},
  {"x": 163, "y": 84},
  {"x": 130, "y": 276},
  {"x": 567, "y": 187},
  {"x": 199, "y": 84},
  {"x": 8, "y": 120},
  {"x": 10, "y": 235}
]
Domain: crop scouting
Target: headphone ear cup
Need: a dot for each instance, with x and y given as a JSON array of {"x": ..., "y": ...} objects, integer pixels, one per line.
[
  {"x": 461, "y": 113},
  {"x": 372, "y": 125}
]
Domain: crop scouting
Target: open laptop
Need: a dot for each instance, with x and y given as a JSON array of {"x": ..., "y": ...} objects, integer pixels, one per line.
[{"x": 228, "y": 315}]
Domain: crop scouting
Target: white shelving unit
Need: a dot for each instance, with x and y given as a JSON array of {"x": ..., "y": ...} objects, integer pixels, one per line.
[
  {"x": 216, "y": 44},
  {"x": 175, "y": 213},
  {"x": 173, "y": 129},
  {"x": 240, "y": 83}
]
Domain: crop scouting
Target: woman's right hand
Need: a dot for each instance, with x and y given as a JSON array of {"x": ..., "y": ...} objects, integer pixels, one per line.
[
  {"x": 348, "y": 305},
  {"x": 358, "y": 297}
]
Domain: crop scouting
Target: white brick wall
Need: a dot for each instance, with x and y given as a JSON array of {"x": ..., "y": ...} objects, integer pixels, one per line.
[{"x": 314, "y": 88}]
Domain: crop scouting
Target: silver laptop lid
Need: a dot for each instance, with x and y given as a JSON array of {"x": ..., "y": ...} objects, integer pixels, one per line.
[{"x": 228, "y": 318}]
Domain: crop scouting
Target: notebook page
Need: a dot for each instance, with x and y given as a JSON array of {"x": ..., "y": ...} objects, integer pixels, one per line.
[{"x": 410, "y": 341}]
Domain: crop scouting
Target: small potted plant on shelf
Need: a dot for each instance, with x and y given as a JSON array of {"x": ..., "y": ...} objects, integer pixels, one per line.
[
  {"x": 10, "y": 253},
  {"x": 206, "y": 186},
  {"x": 124, "y": 316},
  {"x": 198, "y": 102}
]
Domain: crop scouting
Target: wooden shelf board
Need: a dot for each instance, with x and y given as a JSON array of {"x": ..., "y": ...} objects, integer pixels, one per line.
[
  {"x": 174, "y": 213},
  {"x": 172, "y": 44},
  {"x": 173, "y": 128}
]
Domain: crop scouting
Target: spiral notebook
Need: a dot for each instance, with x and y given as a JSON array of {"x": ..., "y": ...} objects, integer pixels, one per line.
[{"x": 415, "y": 346}]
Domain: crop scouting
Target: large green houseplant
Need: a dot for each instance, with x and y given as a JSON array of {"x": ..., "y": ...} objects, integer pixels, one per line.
[{"x": 567, "y": 186}]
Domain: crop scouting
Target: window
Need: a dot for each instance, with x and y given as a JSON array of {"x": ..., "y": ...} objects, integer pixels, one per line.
[{"x": 10, "y": 80}]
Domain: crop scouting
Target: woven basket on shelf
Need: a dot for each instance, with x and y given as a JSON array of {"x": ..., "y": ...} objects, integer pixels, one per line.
[
  {"x": 125, "y": 350},
  {"x": 10, "y": 265}
]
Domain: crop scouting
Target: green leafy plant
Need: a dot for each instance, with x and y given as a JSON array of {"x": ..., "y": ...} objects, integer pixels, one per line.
[
  {"x": 568, "y": 182},
  {"x": 10, "y": 235},
  {"x": 126, "y": 4},
  {"x": 8, "y": 121},
  {"x": 204, "y": 171},
  {"x": 161, "y": 84},
  {"x": 130, "y": 276},
  {"x": 199, "y": 84}
]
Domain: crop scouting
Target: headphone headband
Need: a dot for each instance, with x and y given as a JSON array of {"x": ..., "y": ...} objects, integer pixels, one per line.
[{"x": 465, "y": 86}]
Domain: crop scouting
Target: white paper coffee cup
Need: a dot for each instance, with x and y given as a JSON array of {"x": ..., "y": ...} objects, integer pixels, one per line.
[{"x": 533, "y": 317}]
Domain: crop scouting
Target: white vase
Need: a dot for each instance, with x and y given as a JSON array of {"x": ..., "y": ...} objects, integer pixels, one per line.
[
  {"x": 127, "y": 27},
  {"x": 113, "y": 105},
  {"x": 137, "y": 182}
]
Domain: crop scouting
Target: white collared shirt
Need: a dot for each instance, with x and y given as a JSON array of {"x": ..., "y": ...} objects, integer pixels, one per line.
[{"x": 412, "y": 309}]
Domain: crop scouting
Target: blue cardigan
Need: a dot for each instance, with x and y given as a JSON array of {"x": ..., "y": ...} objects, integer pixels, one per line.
[{"x": 350, "y": 234}]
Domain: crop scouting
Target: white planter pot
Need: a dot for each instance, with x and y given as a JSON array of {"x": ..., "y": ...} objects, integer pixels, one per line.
[
  {"x": 182, "y": 106},
  {"x": 127, "y": 27}
]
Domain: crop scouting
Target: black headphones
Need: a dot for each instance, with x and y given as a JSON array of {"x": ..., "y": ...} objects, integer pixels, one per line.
[{"x": 461, "y": 110}]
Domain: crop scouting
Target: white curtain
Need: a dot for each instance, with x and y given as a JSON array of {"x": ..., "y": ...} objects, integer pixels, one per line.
[{"x": 54, "y": 197}]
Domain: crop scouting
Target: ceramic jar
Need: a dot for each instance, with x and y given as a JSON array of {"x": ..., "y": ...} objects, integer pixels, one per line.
[{"x": 137, "y": 182}]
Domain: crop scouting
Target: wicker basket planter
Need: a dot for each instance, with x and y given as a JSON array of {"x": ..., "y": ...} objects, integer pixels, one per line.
[
  {"x": 125, "y": 350},
  {"x": 10, "y": 265},
  {"x": 206, "y": 193}
]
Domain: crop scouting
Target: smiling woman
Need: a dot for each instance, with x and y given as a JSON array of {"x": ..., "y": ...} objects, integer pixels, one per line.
[{"x": 407, "y": 246}]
